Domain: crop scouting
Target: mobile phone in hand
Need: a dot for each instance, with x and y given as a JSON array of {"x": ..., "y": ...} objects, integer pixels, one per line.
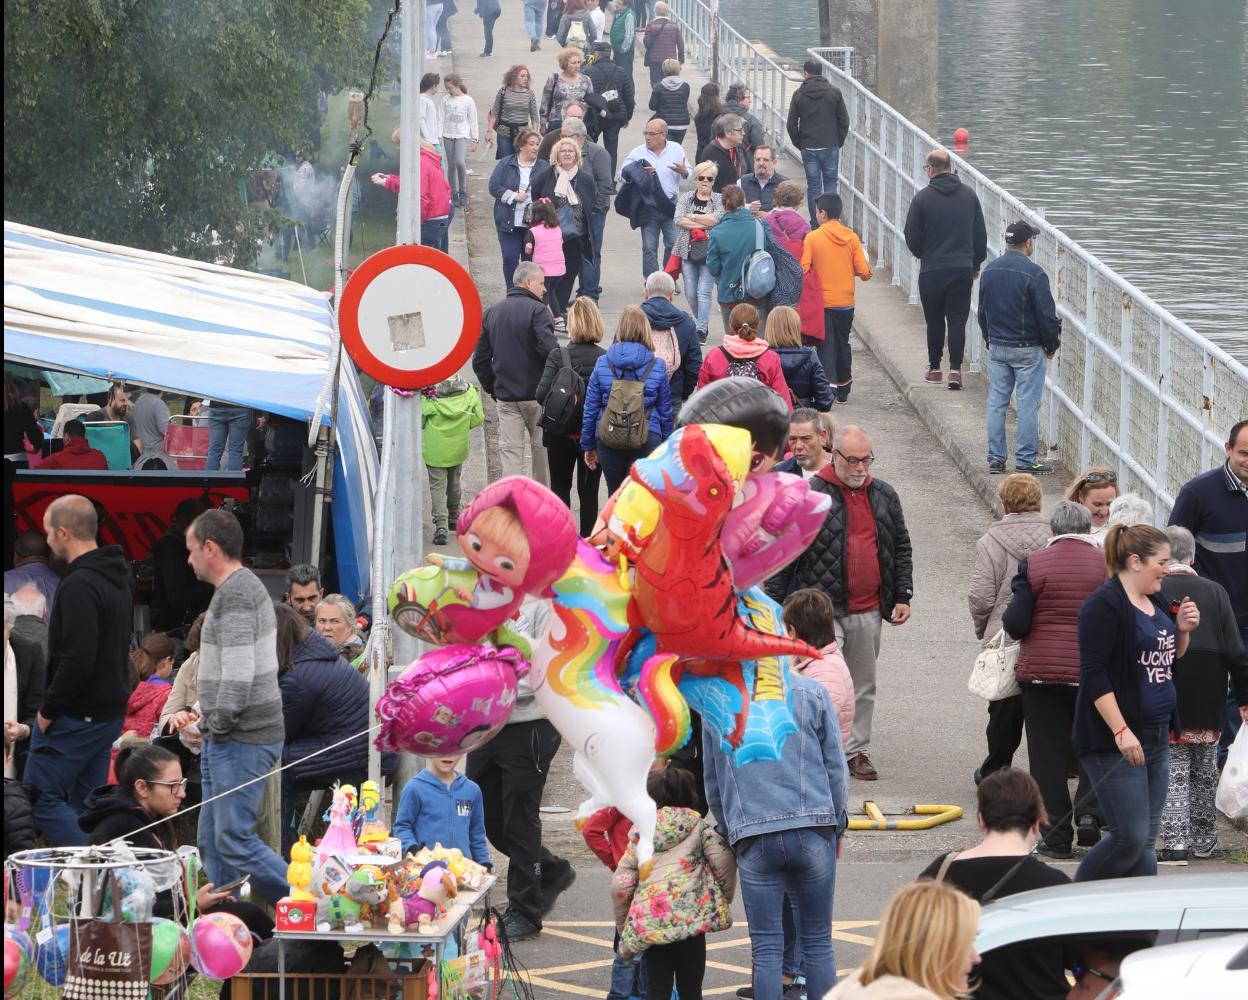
[{"x": 231, "y": 886}]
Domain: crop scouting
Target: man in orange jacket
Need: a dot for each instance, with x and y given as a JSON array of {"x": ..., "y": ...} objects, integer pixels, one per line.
[{"x": 836, "y": 254}]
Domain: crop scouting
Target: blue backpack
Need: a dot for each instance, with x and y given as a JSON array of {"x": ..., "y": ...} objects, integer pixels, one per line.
[{"x": 758, "y": 275}]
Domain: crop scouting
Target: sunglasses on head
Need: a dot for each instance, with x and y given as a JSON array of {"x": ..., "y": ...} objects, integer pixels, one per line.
[
  {"x": 1079, "y": 971},
  {"x": 1093, "y": 478}
]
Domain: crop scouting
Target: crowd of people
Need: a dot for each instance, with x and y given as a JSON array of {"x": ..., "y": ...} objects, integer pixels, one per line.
[{"x": 1130, "y": 639}]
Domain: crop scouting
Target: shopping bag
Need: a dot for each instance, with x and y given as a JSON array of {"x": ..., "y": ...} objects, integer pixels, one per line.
[
  {"x": 109, "y": 959},
  {"x": 992, "y": 678},
  {"x": 1232, "y": 797}
]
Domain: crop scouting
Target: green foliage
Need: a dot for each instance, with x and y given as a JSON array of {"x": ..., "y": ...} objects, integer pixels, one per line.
[{"x": 138, "y": 121}]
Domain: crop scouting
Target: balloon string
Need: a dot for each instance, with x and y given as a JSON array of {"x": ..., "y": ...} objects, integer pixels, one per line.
[{"x": 231, "y": 791}]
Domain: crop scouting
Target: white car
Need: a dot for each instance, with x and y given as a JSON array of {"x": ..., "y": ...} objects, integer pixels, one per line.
[{"x": 1212, "y": 968}]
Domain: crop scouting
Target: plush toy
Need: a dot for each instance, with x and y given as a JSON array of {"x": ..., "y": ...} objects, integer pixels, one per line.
[
  {"x": 299, "y": 871},
  {"x": 437, "y": 887},
  {"x": 338, "y": 910},
  {"x": 368, "y": 887}
]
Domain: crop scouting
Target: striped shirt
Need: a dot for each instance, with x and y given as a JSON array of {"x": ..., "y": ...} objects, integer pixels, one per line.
[{"x": 514, "y": 107}]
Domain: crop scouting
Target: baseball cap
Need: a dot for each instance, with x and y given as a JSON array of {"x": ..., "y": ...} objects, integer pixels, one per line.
[
  {"x": 1018, "y": 233},
  {"x": 573, "y": 126}
]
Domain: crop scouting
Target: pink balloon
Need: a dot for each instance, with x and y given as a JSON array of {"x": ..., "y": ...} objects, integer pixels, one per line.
[
  {"x": 452, "y": 699},
  {"x": 221, "y": 945},
  {"x": 777, "y": 518}
]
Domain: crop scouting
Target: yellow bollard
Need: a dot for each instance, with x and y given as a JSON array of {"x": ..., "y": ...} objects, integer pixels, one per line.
[{"x": 876, "y": 819}]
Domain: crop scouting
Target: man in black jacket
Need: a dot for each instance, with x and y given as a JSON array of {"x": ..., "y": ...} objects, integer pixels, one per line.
[
  {"x": 862, "y": 559},
  {"x": 945, "y": 230},
  {"x": 818, "y": 124},
  {"x": 737, "y": 101},
  {"x": 88, "y": 683},
  {"x": 724, "y": 150},
  {"x": 611, "y": 102},
  {"x": 517, "y": 335}
]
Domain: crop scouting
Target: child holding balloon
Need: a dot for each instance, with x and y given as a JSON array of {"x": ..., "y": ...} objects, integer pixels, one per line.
[{"x": 685, "y": 895}]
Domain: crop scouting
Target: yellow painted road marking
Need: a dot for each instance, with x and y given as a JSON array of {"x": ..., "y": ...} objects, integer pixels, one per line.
[{"x": 583, "y": 938}]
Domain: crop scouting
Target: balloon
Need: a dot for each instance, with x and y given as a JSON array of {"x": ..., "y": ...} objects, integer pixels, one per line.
[
  {"x": 221, "y": 945},
  {"x": 480, "y": 592},
  {"x": 777, "y": 518},
  {"x": 138, "y": 896},
  {"x": 18, "y": 953},
  {"x": 574, "y": 681},
  {"x": 450, "y": 700},
  {"x": 52, "y": 954},
  {"x": 682, "y": 587},
  {"x": 171, "y": 951}
]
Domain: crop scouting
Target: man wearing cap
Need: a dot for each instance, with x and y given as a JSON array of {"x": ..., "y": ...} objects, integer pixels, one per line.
[
  {"x": 598, "y": 162},
  {"x": 1019, "y": 321}
]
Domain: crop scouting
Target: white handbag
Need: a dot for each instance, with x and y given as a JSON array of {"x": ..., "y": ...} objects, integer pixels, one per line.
[{"x": 992, "y": 678}]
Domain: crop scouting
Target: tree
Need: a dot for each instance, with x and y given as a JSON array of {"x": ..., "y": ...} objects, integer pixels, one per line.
[{"x": 138, "y": 121}]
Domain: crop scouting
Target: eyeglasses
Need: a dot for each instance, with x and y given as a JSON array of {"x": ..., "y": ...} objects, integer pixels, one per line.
[
  {"x": 1093, "y": 478},
  {"x": 171, "y": 785},
  {"x": 854, "y": 460},
  {"x": 708, "y": 179},
  {"x": 1079, "y": 971},
  {"x": 654, "y": 133}
]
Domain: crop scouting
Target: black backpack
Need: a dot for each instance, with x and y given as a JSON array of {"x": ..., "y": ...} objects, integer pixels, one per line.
[
  {"x": 742, "y": 367},
  {"x": 565, "y": 403}
]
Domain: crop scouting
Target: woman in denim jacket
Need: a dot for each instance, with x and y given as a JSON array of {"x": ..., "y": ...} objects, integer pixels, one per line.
[{"x": 784, "y": 820}]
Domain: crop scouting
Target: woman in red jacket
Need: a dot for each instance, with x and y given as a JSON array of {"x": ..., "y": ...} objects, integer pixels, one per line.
[{"x": 744, "y": 354}]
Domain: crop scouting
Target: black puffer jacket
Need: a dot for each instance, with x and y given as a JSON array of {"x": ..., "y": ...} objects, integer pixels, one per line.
[
  {"x": 517, "y": 336},
  {"x": 324, "y": 700},
  {"x": 670, "y": 101},
  {"x": 19, "y": 816},
  {"x": 803, "y": 371},
  {"x": 822, "y": 565}
]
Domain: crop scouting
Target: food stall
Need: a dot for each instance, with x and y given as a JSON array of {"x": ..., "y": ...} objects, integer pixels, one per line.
[{"x": 82, "y": 307}]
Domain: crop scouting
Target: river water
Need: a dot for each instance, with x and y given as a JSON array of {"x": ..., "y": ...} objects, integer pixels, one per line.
[{"x": 1126, "y": 121}]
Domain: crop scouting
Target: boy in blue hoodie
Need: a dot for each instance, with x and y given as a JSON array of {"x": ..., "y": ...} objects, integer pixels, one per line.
[{"x": 442, "y": 806}]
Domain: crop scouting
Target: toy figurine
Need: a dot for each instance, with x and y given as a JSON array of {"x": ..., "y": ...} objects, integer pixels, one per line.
[
  {"x": 299, "y": 871},
  {"x": 372, "y": 829},
  {"x": 339, "y": 837},
  {"x": 338, "y": 911},
  {"x": 368, "y": 887},
  {"x": 437, "y": 886}
]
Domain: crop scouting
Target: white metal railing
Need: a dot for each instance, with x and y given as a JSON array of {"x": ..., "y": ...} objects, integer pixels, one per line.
[{"x": 1133, "y": 387}]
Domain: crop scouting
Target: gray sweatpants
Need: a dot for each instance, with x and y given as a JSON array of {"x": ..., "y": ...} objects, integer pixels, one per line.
[
  {"x": 456, "y": 164},
  {"x": 859, "y": 638}
]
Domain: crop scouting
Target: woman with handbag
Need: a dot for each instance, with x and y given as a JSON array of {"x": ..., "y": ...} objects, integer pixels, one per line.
[
  {"x": 697, "y": 212},
  {"x": 511, "y": 186},
  {"x": 572, "y": 192},
  {"x": 514, "y": 108},
  {"x": 568, "y": 86},
  {"x": 1048, "y": 590},
  {"x": 1009, "y": 814},
  {"x": 1021, "y": 530}
]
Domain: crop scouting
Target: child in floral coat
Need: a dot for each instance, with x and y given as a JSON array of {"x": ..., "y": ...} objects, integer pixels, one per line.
[{"x": 686, "y": 894}]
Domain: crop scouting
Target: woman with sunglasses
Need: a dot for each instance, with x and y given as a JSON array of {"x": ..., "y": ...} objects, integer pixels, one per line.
[
  {"x": 1096, "y": 488},
  {"x": 697, "y": 212},
  {"x": 149, "y": 790}
]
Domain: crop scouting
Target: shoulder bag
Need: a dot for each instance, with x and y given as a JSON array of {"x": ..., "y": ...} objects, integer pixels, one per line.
[{"x": 992, "y": 677}]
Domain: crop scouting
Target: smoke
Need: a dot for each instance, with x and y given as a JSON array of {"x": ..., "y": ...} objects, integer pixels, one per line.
[{"x": 313, "y": 199}]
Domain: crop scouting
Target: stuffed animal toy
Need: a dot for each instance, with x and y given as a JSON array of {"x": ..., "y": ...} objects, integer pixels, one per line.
[{"x": 437, "y": 887}]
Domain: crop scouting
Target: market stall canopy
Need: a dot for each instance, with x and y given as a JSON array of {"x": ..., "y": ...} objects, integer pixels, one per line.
[{"x": 192, "y": 327}]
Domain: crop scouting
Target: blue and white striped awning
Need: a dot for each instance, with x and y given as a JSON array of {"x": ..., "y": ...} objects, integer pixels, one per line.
[{"x": 193, "y": 327}]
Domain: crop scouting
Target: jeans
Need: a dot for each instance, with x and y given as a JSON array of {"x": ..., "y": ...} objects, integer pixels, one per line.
[
  {"x": 700, "y": 291},
  {"x": 946, "y": 298},
  {"x": 650, "y": 231},
  {"x": 504, "y": 146},
  {"x": 791, "y": 965},
  {"x": 567, "y": 461},
  {"x": 682, "y": 963},
  {"x": 227, "y": 430},
  {"x": 517, "y": 420},
  {"x": 511, "y": 770},
  {"x": 616, "y": 462},
  {"x": 228, "y": 841},
  {"x": 534, "y": 18},
  {"x": 487, "y": 23},
  {"x": 443, "y": 31},
  {"x": 1132, "y": 799},
  {"x": 444, "y": 492},
  {"x": 591, "y": 270},
  {"x": 512, "y": 246},
  {"x": 1021, "y": 370},
  {"x": 436, "y": 232},
  {"x": 66, "y": 764},
  {"x": 821, "y": 166},
  {"x": 677, "y": 135},
  {"x": 628, "y": 979},
  {"x": 432, "y": 12},
  {"x": 802, "y": 864},
  {"x": 609, "y": 136},
  {"x": 858, "y": 635},
  {"x": 1049, "y": 714}
]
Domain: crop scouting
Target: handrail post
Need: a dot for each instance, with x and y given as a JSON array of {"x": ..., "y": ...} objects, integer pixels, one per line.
[{"x": 714, "y": 41}]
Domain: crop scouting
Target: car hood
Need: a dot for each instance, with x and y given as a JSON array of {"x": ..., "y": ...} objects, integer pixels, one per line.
[{"x": 1128, "y": 904}]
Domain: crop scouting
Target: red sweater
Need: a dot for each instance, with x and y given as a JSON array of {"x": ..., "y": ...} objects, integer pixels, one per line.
[
  {"x": 76, "y": 454},
  {"x": 862, "y": 557},
  {"x": 607, "y": 832},
  {"x": 770, "y": 371}
]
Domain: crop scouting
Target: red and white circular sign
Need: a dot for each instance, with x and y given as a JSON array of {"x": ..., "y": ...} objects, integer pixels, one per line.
[{"x": 410, "y": 316}]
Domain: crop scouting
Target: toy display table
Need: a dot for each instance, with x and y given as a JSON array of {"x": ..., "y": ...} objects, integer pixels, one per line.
[{"x": 438, "y": 936}]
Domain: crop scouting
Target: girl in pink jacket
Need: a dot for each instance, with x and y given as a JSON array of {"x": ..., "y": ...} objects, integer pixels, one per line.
[{"x": 810, "y": 616}]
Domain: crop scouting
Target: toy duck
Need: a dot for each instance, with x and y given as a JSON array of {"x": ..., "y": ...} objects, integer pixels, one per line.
[{"x": 299, "y": 871}]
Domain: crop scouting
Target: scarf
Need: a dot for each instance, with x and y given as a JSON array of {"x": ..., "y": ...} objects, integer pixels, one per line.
[
  {"x": 563, "y": 185},
  {"x": 739, "y": 348}
]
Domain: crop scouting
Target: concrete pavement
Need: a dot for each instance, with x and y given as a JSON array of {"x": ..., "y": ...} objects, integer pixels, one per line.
[{"x": 930, "y": 445}]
